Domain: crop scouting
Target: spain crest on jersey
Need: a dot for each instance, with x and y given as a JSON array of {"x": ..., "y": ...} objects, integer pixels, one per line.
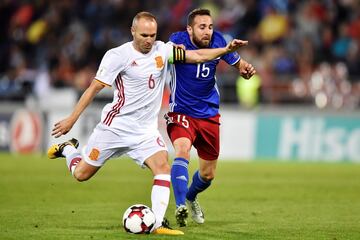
[{"x": 159, "y": 62}]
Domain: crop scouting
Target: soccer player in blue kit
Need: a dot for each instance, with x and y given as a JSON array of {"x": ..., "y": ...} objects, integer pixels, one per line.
[{"x": 193, "y": 118}]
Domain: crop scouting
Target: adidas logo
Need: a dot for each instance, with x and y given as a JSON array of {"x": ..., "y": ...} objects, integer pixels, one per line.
[
  {"x": 133, "y": 64},
  {"x": 182, "y": 177}
]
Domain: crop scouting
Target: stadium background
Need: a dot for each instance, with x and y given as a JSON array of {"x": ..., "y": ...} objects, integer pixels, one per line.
[{"x": 302, "y": 104}]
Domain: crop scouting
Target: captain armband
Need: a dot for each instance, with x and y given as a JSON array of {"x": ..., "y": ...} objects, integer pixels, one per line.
[{"x": 178, "y": 55}]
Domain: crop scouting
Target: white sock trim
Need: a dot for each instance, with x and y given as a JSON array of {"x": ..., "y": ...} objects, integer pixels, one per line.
[{"x": 165, "y": 177}]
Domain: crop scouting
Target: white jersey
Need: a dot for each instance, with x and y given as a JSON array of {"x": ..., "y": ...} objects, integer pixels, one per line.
[{"x": 138, "y": 80}]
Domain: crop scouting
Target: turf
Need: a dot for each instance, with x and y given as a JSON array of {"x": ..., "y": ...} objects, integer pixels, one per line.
[{"x": 255, "y": 200}]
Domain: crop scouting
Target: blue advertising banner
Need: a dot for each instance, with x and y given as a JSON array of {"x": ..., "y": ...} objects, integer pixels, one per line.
[{"x": 328, "y": 138}]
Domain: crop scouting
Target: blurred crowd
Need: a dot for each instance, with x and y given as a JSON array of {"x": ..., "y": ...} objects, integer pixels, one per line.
[{"x": 304, "y": 51}]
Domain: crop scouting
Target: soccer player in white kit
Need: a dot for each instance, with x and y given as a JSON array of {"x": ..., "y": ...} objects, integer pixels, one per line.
[{"x": 137, "y": 71}]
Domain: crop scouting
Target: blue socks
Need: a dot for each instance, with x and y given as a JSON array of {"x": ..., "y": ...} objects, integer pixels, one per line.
[
  {"x": 180, "y": 179},
  {"x": 198, "y": 185}
]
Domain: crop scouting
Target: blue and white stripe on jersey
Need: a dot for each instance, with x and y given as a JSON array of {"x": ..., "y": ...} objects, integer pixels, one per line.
[{"x": 172, "y": 85}]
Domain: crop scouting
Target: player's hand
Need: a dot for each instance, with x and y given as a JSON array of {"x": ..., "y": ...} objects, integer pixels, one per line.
[
  {"x": 182, "y": 46},
  {"x": 62, "y": 127},
  {"x": 235, "y": 44},
  {"x": 246, "y": 69}
]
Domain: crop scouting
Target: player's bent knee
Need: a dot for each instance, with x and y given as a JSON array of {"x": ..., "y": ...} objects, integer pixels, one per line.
[
  {"x": 208, "y": 176},
  {"x": 183, "y": 153},
  {"x": 82, "y": 176},
  {"x": 182, "y": 148}
]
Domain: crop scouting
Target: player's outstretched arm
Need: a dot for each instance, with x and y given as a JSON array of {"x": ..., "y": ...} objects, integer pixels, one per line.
[
  {"x": 64, "y": 126},
  {"x": 207, "y": 54}
]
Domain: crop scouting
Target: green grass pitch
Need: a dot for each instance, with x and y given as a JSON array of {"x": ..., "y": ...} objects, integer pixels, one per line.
[{"x": 256, "y": 200}]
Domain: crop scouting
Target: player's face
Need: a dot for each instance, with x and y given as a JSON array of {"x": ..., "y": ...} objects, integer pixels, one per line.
[
  {"x": 201, "y": 31},
  {"x": 144, "y": 34}
]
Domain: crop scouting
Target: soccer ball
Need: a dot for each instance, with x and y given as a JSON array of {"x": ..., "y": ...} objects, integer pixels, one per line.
[{"x": 139, "y": 218}]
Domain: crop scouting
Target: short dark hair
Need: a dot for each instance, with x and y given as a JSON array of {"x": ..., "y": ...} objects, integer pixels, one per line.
[
  {"x": 197, "y": 12},
  {"x": 140, "y": 15}
]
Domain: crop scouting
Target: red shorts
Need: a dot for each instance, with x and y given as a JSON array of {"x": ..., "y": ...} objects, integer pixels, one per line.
[{"x": 202, "y": 132}]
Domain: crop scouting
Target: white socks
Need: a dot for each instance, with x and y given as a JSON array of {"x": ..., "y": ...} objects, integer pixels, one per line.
[
  {"x": 73, "y": 157},
  {"x": 160, "y": 195}
]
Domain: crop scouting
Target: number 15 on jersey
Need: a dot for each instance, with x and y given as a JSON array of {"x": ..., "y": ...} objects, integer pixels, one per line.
[{"x": 202, "y": 70}]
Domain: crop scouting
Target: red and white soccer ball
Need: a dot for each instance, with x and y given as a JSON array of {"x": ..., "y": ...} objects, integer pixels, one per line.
[{"x": 139, "y": 218}]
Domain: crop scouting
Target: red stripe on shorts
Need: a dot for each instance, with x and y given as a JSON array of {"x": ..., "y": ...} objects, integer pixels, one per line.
[{"x": 162, "y": 183}]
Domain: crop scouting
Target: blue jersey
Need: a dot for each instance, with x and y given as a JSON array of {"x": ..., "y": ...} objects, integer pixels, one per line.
[{"x": 194, "y": 91}]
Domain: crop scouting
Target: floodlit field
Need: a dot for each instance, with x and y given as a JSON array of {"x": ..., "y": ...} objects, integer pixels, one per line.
[{"x": 258, "y": 200}]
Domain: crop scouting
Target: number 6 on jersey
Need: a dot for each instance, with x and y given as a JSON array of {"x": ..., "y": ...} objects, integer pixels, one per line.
[{"x": 151, "y": 82}]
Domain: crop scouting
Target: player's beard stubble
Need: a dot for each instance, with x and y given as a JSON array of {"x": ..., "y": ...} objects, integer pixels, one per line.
[{"x": 201, "y": 43}]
